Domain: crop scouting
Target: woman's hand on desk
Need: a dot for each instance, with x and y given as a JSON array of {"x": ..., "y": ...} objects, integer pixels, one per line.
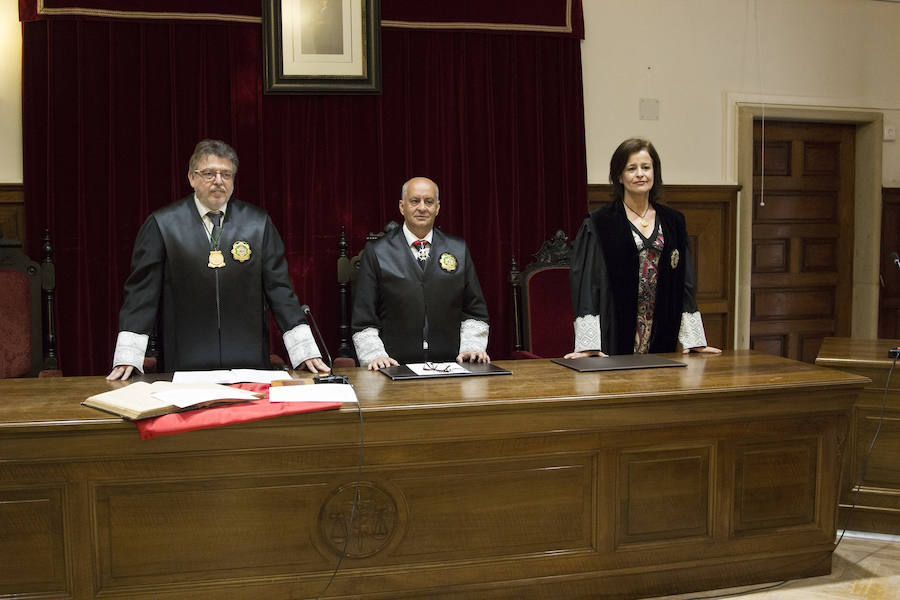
[
  {"x": 585, "y": 354},
  {"x": 702, "y": 350}
]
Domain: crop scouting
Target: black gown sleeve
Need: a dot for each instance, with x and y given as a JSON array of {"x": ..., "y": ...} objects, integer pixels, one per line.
[
  {"x": 474, "y": 306},
  {"x": 366, "y": 294},
  {"x": 277, "y": 282},
  {"x": 690, "y": 282},
  {"x": 589, "y": 280},
  {"x": 144, "y": 285}
]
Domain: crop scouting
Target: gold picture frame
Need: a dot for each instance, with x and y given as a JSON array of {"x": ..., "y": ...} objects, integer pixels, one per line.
[{"x": 322, "y": 46}]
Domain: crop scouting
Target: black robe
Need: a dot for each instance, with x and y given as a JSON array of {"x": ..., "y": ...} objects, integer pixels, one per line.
[
  {"x": 211, "y": 318},
  {"x": 604, "y": 278},
  {"x": 393, "y": 294}
]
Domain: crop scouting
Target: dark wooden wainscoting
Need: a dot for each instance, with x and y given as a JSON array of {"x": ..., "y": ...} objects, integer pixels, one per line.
[
  {"x": 12, "y": 211},
  {"x": 711, "y": 214},
  {"x": 889, "y": 297}
]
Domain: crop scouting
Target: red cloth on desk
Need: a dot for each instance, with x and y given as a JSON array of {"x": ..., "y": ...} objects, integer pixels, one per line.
[{"x": 229, "y": 414}]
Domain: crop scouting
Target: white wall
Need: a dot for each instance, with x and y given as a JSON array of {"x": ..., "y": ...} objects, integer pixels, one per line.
[
  {"x": 700, "y": 57},
  {"x": 10, "y": 93}
]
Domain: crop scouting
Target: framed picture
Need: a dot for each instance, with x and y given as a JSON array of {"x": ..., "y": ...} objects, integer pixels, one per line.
[{"x": 322, "y": 46}]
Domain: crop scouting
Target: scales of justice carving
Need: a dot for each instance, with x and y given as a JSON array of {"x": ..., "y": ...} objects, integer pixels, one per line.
[{"x": 373, "y": 523}]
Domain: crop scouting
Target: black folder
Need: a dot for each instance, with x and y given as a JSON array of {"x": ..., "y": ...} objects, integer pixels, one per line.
[
  {"x": 475, "y": 369},
  {"x": 618, "y": 362}
]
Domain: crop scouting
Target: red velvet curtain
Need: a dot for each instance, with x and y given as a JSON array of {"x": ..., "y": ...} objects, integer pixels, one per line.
[{"x": 113, "y": 108}]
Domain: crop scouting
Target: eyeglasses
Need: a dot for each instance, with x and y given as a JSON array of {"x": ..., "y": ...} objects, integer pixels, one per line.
[
  {"x": 210, "y": 175},
  {"x": 433, "y": 367}
]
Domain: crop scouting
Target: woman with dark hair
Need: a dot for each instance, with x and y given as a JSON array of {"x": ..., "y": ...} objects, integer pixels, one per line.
[{"x": 633, "y": 282}]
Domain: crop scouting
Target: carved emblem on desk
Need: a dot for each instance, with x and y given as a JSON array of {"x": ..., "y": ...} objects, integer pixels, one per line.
[{"x": 373, "y": 522}]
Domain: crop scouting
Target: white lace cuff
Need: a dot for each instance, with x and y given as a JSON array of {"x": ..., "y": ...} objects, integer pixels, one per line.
[
  {"x": 131, "y": 348},
  {"x": 587, "y": 333},
  {"x": 691, "y": 334},
  {"x": 368, "y": 346},
  {"x": 300, "y": 345},
  {"x": 473, "y": 336}
]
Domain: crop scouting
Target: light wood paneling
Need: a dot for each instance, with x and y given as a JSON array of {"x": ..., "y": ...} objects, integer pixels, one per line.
[
  {"x": 33, "y": 548},
  {"x": 665, "y": 494}
]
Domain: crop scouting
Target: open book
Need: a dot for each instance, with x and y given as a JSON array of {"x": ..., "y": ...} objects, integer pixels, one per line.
[{"x": 140, "y": 400}]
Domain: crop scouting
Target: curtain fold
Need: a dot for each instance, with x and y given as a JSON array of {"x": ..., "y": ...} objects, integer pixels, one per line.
[{"x": 113, "y": 108}]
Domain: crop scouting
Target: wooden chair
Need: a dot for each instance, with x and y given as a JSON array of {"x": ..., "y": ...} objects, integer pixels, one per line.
[
  {"x": 542, "y": 305},
  {"x": 27, "y": 320},
  {"x": 347, "y": 268}
]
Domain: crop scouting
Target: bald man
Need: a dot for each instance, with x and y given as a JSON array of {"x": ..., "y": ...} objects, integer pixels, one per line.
[{"x": 417, "y": 297}]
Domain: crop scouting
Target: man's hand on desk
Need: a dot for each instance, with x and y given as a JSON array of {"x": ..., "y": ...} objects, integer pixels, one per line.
[
  {"x": 382, "y": 362},
  {"x": 585, "y": 354},
  {"x": 315, "y": 365},
  {"x": 473, "y": 356},
  {"x": 120, "y": 372}
]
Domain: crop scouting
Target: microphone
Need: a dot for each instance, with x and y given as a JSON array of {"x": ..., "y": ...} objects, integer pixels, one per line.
[
  {"x": 331, "y": 377},
  {"x": 895, "y": 259}
]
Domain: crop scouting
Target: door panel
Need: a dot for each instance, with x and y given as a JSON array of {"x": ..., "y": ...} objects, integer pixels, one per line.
[
  {"x": 889, "y": 300},
  {"x": 802, "y": 245}
]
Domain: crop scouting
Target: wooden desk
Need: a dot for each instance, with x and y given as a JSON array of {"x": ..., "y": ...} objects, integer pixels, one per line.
[
  {"x": 878, "y": 498},
  {"x": 544, "y": 484}
]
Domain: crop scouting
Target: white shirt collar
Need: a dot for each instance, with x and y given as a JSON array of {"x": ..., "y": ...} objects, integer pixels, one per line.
[
  {"x": 411, "y": 237},
  {"x": 203, "y": 210}
]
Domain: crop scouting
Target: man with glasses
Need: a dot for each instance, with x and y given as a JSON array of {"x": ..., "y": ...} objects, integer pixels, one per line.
[
  {"x": 417, "y": 298},
  {"x": 209, "y": 267}
]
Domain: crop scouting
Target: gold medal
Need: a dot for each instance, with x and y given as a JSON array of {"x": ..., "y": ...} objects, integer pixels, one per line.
[
  {"x": 448, "y": 262},
  {"x": 240, "y": 251},
  {"x": 216, "y": 259}
]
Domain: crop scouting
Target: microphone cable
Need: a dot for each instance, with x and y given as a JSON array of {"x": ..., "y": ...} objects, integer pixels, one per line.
[
  {"x": 354, "y": 507},
  {"x": 331, "y": 378}
]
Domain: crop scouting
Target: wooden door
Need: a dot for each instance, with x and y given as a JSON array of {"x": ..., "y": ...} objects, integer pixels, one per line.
[
  {"x": 889, "y": 294},
  {"x": 802, "y": 248}
]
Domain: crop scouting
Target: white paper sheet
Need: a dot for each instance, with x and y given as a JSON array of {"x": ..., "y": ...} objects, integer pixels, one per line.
[{"x": 322, "y": 392}]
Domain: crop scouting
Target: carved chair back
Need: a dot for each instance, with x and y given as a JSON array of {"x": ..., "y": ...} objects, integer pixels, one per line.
[{"x": 542, "y": 307}]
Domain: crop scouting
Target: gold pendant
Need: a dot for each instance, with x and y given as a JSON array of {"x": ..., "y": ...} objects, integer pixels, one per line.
[
  {"x": 644, "y": 223},
  {"x": 216, "y": 259}
]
